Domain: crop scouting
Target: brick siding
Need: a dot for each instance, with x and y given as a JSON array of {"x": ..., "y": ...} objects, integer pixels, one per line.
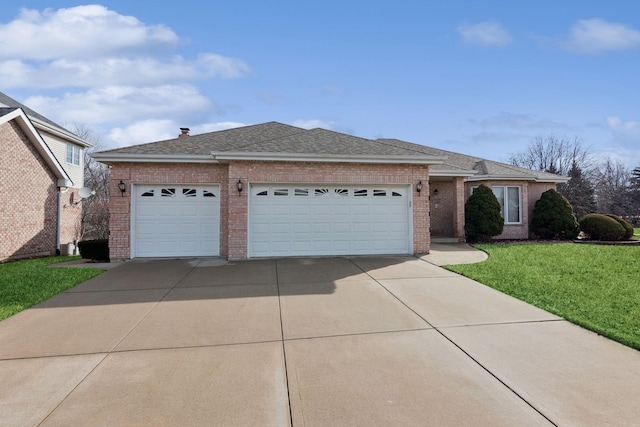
[
  {"x": 28, "y": 198},
  {"x": 234, "y": 210}
]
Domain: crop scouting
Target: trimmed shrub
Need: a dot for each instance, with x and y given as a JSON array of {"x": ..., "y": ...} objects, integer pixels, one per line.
[
  {"x": 97, "y": 250},
  {"x": 553, "y": 217},
  {"x": 601, "y": 227},
  {"x": 628, "y": 228},
  {"x": 482, "y": 215}
]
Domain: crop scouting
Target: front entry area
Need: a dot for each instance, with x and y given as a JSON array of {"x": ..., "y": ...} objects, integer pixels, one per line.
[
  {"x": 176, "y": 221},
  {"x": 304, "y": 220}
]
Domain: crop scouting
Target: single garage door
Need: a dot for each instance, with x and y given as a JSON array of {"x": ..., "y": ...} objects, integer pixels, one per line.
[
  {"x": 176, "y": 220},
  {"x": 291, "y": 220}
]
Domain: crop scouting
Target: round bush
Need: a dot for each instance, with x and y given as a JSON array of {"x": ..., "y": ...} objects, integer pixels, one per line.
[
  {"x": 628, "y": 228},
  {"x": 553, "y": 217},
  {"x": 601, "y": 227},
  {"x": 482, "y": 215}
]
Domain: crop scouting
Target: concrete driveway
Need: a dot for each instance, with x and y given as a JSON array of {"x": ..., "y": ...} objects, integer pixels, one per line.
[{"x": 363, "y": 341}]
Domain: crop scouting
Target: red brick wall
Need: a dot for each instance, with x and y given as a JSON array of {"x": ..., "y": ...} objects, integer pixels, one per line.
[
  {"x": 530, "y": 194},
  {"x": 28, "y": 198},
  {"x": 234, "y": 207}
]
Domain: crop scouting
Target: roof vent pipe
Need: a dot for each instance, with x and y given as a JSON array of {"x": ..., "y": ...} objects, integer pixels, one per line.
[{"x": 183, "y": 132}]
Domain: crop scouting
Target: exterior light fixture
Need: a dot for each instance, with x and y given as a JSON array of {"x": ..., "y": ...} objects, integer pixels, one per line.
[
  {"x": 122, "y": 187},
  {"x": 239, "y": 186},
  {"x": 419, "y": 186},
  {"x": 436, "y": 191}
]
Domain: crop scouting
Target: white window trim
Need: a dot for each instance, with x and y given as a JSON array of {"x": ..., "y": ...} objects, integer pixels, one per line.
[
  {"x": 75, "y": 155},
  {"x": 506, "y": 203}
]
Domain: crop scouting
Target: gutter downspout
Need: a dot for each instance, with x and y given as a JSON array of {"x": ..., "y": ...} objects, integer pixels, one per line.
[{"x": 59, "y": 219}]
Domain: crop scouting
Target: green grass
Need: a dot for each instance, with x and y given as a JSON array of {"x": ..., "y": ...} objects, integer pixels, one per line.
[
  {"x": 26, "y": 283},
  {"x": 594, "y": 286}
]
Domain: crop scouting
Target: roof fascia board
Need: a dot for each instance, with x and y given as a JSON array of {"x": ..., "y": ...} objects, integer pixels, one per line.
[
  {"x": 63, "y": 133},
  {"x": 452, "y": 172},
  {"x": 153, "y": 158},
  {"x": 517, "y": 178},
  {"x": 328, "y": 158},
  {"x": 25, "y": 124}
]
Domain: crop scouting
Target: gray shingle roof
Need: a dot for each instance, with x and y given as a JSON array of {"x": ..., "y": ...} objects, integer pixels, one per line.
[
  {"x": 276, "y": 138},
  {"x": 463, "y": 162},
  {"x": 7, "y": 101}
]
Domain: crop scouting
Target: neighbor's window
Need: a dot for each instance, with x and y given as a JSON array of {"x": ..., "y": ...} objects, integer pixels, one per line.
[
  {"x": 510, "y": 203},
  {"x": 73, "y": 154}
]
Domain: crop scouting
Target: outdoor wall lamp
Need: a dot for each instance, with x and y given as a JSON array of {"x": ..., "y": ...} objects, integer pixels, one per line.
[
  {"x": 122, "y": 187},
  {"x": 419, "y": 186},
  {"x": 239, "y": 186},
  {"x": 436, "y": 191}
]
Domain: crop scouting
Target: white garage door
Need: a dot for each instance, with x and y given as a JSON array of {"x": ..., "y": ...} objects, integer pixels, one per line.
[
  {"x": 290, "y": 220},
  {"x": 176, "y": 220}
]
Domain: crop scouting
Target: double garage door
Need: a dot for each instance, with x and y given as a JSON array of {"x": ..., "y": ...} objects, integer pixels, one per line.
[
  {"x": 284, "y": 220},
  {"x": 290, "y": 220}
]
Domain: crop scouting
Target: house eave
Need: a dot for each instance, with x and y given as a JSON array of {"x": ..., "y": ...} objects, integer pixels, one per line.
[
  {"x": 153, "y": 158},
  {"x": 327, "y": 158},
  {"x": 452, "y": 173},
  {"x": 24, "y": 122},
  {"x": 62, "y": 133},
  {"x": 559, "y": 179}
]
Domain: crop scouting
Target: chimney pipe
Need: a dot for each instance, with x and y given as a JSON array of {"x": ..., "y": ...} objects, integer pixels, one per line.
[{"x": 183, "y": 132}]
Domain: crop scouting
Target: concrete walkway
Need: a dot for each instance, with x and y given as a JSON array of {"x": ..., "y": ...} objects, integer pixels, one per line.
[{"x": 371, "y": 341}]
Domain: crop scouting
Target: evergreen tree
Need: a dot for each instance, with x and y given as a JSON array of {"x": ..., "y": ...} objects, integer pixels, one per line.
[
  {"x": 579, "y": 192},
  {"x": 482, "y": 215},
  {"x": 553, "y": 217}
]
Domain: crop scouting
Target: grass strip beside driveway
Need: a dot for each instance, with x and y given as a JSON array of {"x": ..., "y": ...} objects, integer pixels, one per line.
[
  {"x": 594, "y": 286},
  {"x": 24, "y": 284}
]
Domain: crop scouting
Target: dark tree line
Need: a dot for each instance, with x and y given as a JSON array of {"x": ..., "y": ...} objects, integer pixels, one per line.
[{"x": 606, "y": 187}]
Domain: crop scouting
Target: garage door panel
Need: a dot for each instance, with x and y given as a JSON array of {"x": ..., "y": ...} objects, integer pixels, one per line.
[
  {"x": 330, "y": 220},
  {"x": 176, "y": 220}
]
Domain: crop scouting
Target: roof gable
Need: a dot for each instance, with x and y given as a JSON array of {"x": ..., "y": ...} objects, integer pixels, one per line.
[
  {"x": 40, "y": 121},
  {"x": 20, "y": 118}
]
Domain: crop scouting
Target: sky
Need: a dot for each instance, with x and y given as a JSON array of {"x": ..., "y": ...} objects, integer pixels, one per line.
[{"x": 479, "y": 77}]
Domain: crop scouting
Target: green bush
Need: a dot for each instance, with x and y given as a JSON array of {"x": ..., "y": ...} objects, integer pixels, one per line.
[
  {"x": 553, "y": 217},
  {"x": 97, "y": 250},
  {"x": 482, "y": 215},
  {"x": 628, "y": 228},
  {"x": 601, "y": 227}
]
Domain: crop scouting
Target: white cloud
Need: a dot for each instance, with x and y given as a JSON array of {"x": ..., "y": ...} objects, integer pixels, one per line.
[
  {"x": 122, "y": 103},
  {"x": 630, "y": 128},
  {"x": 141, "y": 132},
  {"x": 159, "y": 130},
  {"x": 92, "y": 72},
  {"x": 91, "y": 30},
  {"x": 518, "y": 121},
  {"x": 487, "y": 33},
  {"x": 213, "y": 127},
  {"x": 314, "y": 123},
  {"x": 594, "y": 36}
]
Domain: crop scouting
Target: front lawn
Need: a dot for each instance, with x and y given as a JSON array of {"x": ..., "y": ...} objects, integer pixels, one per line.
[
  {"x": 26, "y": 283},
  {"x": 595, "y": 286}
]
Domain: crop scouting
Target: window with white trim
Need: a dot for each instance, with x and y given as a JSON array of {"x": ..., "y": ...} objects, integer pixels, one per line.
[
  {"x": 73, "y": 154},
  {"x": 510, "y": 203}
]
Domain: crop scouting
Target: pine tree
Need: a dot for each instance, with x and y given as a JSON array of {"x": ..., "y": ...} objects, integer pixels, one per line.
[
  {"x": 482, "y": 215},
  {"x": 579, "y": 192}
]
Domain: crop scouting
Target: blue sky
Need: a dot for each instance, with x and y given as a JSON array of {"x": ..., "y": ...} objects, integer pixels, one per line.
[{"x": 478, "y": 77}]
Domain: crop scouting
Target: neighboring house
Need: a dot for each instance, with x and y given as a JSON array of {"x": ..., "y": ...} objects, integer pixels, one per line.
[
  {"x": 278, "y": 190},
  {"x": 41, "y": 170}
]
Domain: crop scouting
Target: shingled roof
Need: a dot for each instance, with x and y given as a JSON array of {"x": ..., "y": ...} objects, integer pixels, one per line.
[
  {"x": 268, "y": 140},
  {"x": 273, "y": 139},
  {"x": 8, "y": 104},
  {"x": 477, "y": 168}
]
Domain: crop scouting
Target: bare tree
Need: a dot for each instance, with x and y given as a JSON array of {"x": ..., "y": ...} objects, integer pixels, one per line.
[
  {"x": 613, "y": 189},
  {"x": 95, "y": 209},
  {"x": 555, "y": 155}
]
